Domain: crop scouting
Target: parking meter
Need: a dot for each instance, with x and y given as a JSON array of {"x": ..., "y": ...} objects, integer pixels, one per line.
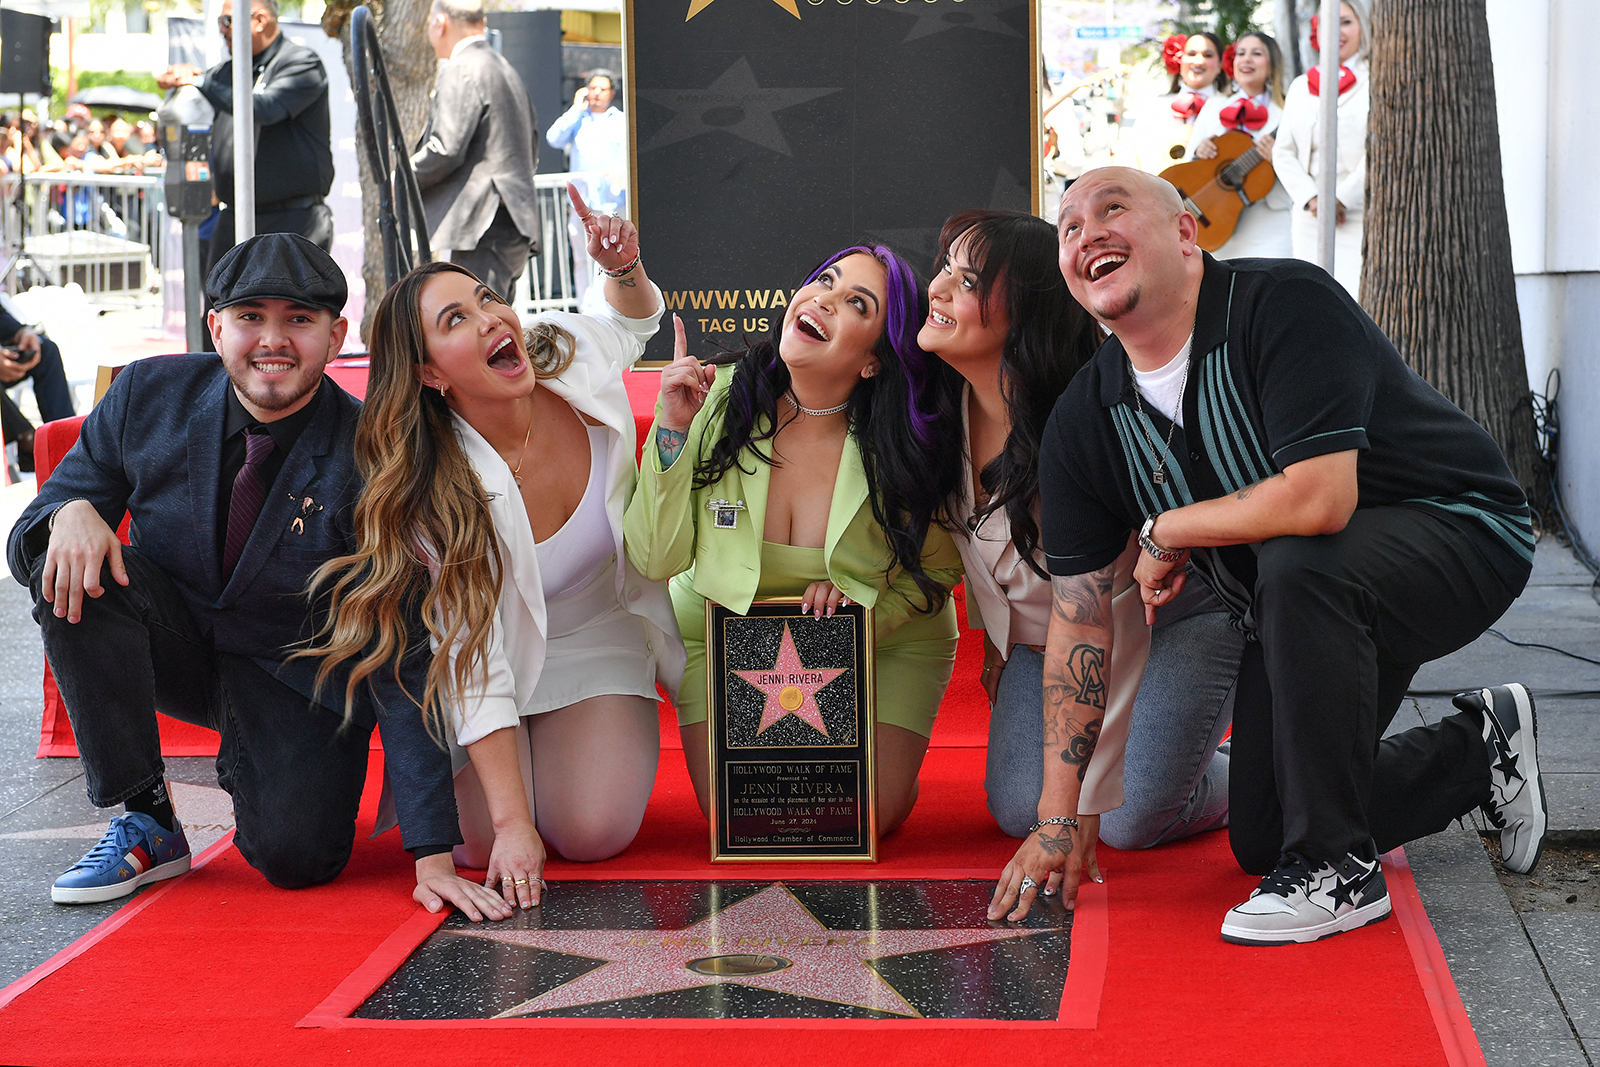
[{"x": 184, "y": 123}]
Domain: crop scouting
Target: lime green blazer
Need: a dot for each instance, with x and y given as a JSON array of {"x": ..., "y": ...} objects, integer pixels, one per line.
[{"x": 669, "y": 529}]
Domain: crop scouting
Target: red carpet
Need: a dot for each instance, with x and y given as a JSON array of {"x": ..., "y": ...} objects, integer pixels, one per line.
[{"x": 231, "y": 968}]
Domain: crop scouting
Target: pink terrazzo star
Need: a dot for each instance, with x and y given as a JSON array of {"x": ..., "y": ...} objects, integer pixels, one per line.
[
  {"x": 791, "y": 687},
  {"x": 822, "y": 964}
]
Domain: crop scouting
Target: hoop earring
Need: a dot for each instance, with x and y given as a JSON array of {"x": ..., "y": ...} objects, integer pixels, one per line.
[{"x": 441, "y": 387}]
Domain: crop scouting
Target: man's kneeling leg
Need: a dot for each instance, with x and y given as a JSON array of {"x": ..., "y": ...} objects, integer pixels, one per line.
[{"x": 295, "y": 774}]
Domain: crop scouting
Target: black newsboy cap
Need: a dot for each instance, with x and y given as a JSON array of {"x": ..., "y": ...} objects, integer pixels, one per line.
[{"x": 277, "y": 266}]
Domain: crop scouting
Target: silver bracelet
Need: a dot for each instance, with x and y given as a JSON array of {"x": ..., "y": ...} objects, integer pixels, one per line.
[
  {"x": 1146, "y": 542},
  {"x": 1054, "y": 820}
]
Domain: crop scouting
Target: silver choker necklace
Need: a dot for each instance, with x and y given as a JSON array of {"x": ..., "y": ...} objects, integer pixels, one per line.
[{"x": 814, "y": 412}]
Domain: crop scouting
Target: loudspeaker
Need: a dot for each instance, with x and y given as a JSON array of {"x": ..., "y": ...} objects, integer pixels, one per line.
[{"x": 24, "y": 53}]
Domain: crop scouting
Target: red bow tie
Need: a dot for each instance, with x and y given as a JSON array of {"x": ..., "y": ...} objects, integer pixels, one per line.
[
  {"x": 1244, "y": 113},
  {"x": 1347, "y": 80},
  {"x": 1187, "y": 105}
]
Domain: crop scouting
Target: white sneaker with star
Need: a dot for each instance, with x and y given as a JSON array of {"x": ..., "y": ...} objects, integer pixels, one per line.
[{"x": 1300, "y": 902}]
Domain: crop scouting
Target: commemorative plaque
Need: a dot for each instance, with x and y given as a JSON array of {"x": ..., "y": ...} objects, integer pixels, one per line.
[{"x": 791, "y": 721}]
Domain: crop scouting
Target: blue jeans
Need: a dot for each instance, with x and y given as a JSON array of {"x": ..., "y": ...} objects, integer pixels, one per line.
[{"x": 1176, "y": 783}]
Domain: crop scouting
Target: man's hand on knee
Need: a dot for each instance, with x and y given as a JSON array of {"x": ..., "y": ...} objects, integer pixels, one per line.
[
  {"x": 438, "y": 885},
  {"x": 80, "y": 545}
]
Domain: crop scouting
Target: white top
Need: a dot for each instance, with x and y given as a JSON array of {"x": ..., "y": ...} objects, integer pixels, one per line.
[
  {"x": 1162, "y": 388},
  {"x": 599, "y": 144},
  {"x": 1294, "y": 155},
  {"x": 607, "y": 343},
  {"x": 1209, "y": 124},
  {"x": 569, "y": 558}
]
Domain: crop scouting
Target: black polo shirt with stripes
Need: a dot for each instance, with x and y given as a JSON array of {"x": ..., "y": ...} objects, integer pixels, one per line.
[{"x": 1286, "y": 367}]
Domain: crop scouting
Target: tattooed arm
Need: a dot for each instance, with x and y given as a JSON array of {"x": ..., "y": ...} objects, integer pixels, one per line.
[{"x": 1076, "y": 661}]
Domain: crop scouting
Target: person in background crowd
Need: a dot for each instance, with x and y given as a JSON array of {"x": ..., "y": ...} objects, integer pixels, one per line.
[
  {"x": 1161, "y": 127},
  {"x": 1297, "y": 156},
  {"x": 1255, "y": 107},
  {"x": 294, "y": 151},
  {"x": 477, "y": 155},
  {"x": 595, "y": 134}
]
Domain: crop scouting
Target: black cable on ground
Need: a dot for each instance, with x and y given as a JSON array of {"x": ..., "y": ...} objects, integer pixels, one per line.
[{"x": 1547, "y": 425}]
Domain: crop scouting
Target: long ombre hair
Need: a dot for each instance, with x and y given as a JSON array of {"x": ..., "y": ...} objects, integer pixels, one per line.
[{"x": 422, "y": 502}]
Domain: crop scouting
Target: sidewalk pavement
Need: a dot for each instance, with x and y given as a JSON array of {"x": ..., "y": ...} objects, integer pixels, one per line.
[{"x": 1529, "y": 979}]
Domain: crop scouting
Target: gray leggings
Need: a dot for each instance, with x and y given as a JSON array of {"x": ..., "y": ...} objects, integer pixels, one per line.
[{"x": 1176, "y": 783}]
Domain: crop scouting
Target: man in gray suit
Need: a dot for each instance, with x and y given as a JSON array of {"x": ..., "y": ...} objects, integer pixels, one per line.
[{"x": 476, "y": 159}]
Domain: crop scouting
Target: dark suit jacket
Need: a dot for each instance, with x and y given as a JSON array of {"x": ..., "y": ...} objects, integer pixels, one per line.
[
  {"x": 478, "y": 150},
  {"x": 153, "y": 448},
  {"x": 294, "y": 152}
]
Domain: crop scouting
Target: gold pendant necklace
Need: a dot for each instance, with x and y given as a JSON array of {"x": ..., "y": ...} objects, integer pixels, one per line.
[{"x": 516, "y": 472}]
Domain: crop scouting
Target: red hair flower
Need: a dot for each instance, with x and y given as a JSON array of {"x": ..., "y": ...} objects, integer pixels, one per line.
[
  {"x": 1172, "y": 52},
  {"x": 1227, "y": 62},
  {"x": 1315, "y": 21}
]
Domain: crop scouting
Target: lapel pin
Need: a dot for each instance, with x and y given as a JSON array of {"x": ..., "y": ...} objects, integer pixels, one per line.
[
  {"x": 725, "y": 513},
  {"x": 308, "y": 508}
]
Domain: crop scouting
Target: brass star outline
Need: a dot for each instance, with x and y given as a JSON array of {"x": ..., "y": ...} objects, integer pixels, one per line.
[{"x": 697, "y": 6}]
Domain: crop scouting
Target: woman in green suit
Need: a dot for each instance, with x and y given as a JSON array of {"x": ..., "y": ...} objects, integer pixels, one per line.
[{"x": 822, "y": 432}]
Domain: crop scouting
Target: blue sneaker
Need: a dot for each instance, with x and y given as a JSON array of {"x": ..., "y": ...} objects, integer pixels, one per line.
[{"x": 135, "y": 850}]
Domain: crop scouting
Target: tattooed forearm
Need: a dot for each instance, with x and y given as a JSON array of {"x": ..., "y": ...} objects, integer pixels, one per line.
[
  {"x": 1058, "y": 843},
  {"x": 1244, "y": 494},
  {"x": 1088, "y": 666},
  {"x": 668, "y": 444},
  {"x": 1083, "y": 599},
  {"x": 1079, "y": 749}
]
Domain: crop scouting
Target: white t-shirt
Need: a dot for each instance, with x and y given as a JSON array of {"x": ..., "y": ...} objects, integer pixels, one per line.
[{"x": 1163, "y": 388}]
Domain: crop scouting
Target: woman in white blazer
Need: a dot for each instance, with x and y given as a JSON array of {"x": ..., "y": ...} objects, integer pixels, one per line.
[
  {"x": 1255, "y": 108},
  {"x": 1296, "y": 155},
  {"x": 499, "y": 463}
]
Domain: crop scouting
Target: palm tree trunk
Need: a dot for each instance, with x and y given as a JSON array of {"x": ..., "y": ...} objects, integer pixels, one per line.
[{"x": 1437, "y": 273}]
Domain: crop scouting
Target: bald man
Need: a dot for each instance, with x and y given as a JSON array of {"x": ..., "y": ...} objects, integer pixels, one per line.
[{"x": 1249, "y": 415}]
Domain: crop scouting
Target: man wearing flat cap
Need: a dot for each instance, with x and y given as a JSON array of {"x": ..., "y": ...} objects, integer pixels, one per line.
[{"x": 240, "y": 479}]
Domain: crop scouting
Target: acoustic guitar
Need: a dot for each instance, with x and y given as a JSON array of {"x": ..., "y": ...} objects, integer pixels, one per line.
[{"x": 1217, "y": 190}]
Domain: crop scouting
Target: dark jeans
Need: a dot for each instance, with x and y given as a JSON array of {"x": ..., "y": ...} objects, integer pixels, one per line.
[
  {"x": 50, "y": 389},
  {"x": 1344, "y": 622},
  {"x": 294, "y": 773}
]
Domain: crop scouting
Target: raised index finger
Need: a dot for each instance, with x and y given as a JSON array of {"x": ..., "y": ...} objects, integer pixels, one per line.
[
  {"x": 577, "y": 201},
  {"x": 680, "y": 340}
]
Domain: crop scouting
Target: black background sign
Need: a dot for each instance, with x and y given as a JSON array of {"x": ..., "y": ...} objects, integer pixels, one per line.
[{"x": 764, "y": 142}]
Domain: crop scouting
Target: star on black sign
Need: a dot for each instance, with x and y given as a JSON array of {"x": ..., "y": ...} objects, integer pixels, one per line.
[
  {"x": 735, "y": 103},
  {"x": 731, "y": 950},
  {"x": 932, "y": 22}
]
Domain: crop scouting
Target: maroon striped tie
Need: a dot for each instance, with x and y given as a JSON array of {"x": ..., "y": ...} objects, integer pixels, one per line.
[{"x": 249, "y": 493}]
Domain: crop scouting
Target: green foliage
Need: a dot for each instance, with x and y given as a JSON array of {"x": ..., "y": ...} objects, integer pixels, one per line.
[
  {"x": 1225, "y": 18},
  {"x": 89, "y": 79}
]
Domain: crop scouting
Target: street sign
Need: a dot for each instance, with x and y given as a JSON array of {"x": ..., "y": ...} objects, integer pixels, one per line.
[{"x": 1125, "y": 31}]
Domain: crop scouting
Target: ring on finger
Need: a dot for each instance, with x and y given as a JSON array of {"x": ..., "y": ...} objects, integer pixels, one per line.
[
  {"x": 506, "y": 880},
  {"x": 520, "y": 881},
  {"x": 1027, "y": 884}
]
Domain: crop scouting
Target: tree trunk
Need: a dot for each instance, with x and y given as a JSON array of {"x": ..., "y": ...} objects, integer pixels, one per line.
[
  {"x": 409, "y": 59},
  {"x": 1437, "y": 271}
]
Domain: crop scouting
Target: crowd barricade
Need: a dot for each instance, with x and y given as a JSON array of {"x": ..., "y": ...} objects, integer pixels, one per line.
[
  {"x": 547, "y": 283},
  {"x": 102, "y": 231}
]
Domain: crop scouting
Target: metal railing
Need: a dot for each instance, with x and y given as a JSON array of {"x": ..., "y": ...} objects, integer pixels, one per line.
[
  {"x": 102, "y": 231},
  {"x": 547, "y": 284}
]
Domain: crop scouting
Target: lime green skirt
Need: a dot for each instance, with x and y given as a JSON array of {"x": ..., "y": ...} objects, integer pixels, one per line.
[{"x": 913, "y": 664}]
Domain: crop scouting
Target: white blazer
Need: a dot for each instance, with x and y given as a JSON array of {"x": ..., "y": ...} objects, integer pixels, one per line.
[
  {"x": 607, "y": 343},
  {"x": 1295, "y": 151}
]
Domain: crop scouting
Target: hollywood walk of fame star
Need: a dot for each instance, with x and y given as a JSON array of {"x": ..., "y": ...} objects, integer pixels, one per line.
[
  {"x": 932, "y": 22},
  {"x": 735, "y": 103},
  {"x": 697, "y": 6},
  {"x": 791, "y": 687},
  {"x": 821, "y": 963}
]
